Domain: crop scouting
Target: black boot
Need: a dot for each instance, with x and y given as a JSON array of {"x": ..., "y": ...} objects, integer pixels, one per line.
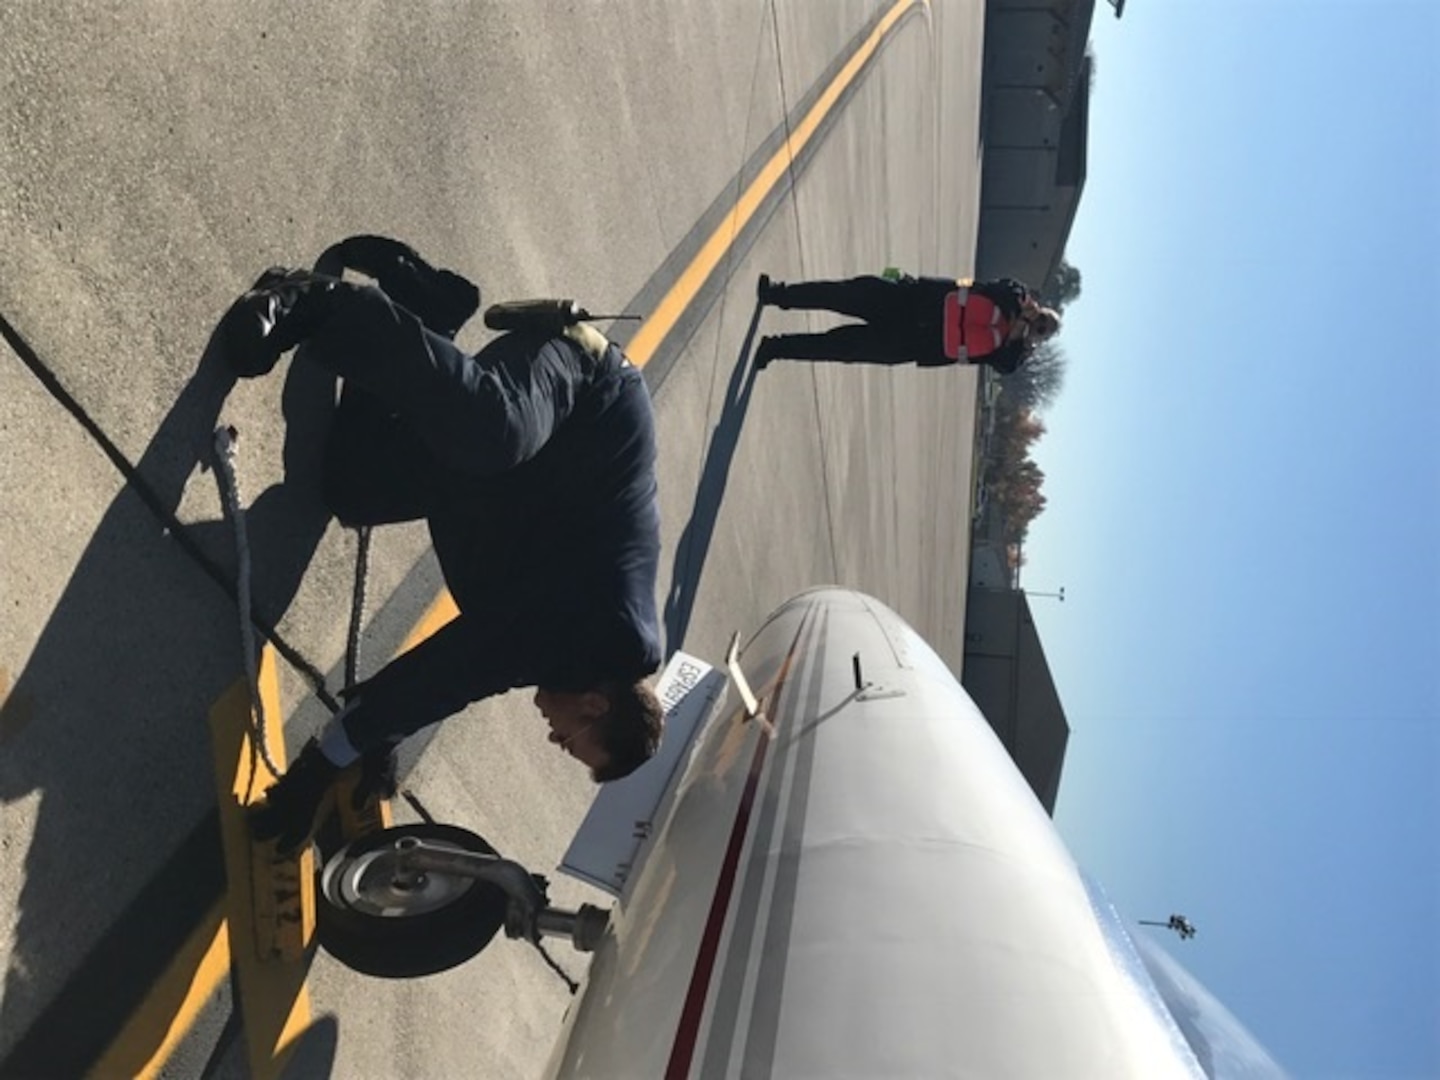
[
  {"x": 441, "y": 299},
  {"x": 767, "y": 350},
  {"x": 280, "y": 310},
  {"x": 767, "y": 291},
  {"x": 292, "y": 808}
]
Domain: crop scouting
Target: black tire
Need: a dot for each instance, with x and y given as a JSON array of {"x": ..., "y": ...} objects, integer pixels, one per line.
[{"x": 432, "y": 929}]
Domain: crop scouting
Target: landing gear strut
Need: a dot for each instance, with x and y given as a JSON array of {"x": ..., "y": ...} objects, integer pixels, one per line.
[{"x": 420, "y": 899}]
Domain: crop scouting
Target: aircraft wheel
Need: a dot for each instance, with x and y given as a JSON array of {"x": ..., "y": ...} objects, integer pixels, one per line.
[{"x": 378, "y": 925}]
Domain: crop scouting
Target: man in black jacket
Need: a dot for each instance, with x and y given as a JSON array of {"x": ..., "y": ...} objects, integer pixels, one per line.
[{"x": 533, "y": 463}]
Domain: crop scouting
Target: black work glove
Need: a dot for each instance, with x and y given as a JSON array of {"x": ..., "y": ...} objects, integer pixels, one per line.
[
  {"x": 378, "y": 776},
  {"x": 441, "y": 299},
  {"x": 291, "y": 810}
]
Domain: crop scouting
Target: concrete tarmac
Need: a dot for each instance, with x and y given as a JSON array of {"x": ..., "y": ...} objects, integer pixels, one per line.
[{"x": 155, "y": 159}]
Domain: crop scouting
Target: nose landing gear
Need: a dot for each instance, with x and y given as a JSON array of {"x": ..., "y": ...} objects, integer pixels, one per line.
[{"x": 419, "y": 899}]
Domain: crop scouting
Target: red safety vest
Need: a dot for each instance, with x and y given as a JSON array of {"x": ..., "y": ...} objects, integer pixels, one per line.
[{"x": 974, "y": 326}]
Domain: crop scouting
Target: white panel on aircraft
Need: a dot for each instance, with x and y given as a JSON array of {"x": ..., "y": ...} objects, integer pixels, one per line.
[{"x": 604, "y": 849}]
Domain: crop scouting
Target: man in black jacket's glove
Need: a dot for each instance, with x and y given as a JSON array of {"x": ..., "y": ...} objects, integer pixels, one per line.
[{"x": 291, "y": 813}]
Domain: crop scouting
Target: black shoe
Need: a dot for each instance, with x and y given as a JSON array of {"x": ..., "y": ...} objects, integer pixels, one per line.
[
  {"x": 270, "y": 318},
  {"x": 767, "y": 350},
  {"x": 441, "y": 299},
  {"x": 766, "y": 291},
  {"x": 292, "y": 809}
]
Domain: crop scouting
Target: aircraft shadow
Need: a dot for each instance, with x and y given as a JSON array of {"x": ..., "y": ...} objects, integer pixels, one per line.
[{"x": 694, "y": 543}]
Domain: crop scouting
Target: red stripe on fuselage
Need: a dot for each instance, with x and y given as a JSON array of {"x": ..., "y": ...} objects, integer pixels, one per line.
[{"x": 688, "y": 1031}]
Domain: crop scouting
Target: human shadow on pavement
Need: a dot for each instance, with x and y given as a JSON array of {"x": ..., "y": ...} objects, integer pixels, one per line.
[
  {"x": 105, "y": 749},
  {"x": 694, "y": 543}
]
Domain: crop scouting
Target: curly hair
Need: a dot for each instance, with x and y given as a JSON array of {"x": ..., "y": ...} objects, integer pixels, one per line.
[
  {"x": 630, "y": 731},
  {"x": 1046, "y": 323}
]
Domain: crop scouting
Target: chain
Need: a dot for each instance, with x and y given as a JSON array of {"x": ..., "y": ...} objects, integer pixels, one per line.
[{"x": 555, "y": 967}]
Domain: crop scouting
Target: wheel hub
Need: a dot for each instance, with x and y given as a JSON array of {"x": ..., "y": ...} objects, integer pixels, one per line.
[{"x": 378, "y": 883}]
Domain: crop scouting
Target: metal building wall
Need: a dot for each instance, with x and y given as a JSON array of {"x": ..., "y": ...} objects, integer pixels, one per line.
[
  {"x": 1006, "y": 675},
  {"x": 1034, "y": 125}
]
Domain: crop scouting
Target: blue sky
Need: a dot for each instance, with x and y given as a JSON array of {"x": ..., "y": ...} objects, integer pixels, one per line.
[{"x": 1243, "y": 474}]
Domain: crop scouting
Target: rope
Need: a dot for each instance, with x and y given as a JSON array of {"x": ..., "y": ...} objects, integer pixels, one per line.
[
  {"x": 225, "y": 439},
  {"x": 357, "y": 605},
  {"x": 175, "y": 529}
]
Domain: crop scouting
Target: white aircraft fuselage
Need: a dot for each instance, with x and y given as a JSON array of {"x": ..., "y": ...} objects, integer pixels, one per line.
[{"x": 858, "y": 883}]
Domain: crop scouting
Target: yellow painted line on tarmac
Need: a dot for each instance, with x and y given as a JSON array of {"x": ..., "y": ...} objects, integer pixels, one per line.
[
  {"x": 653, "y": 330},
  {"x": 440, "y": 612},
  {"x": 275, "y": 1010},
  {"x": 265, "y": 899},
  {"x": 152, "y": 1034},
  {"x": 273, "y": 1002},
  {"x": 273, "y": 998}
]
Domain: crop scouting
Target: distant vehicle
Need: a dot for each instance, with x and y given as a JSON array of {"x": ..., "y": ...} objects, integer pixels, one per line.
[{"x": 833, "y": 869}]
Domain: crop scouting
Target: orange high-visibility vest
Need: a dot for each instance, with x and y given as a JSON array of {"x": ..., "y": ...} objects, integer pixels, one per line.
[{"x": 974, "y": 326}]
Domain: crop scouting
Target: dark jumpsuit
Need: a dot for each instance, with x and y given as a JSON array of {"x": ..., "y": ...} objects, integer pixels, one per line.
[
  {"x": 533, "y": 462},
  {"x": 903, "y": 320}
]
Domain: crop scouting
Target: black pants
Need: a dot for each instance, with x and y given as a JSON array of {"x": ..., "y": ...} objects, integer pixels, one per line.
[
  {"x": 378, "y": 470},
  {"x": 469, "y": 412},
  {"x": 418, "y": 421},
  {"x": 902, "y": 320},
  {"x": 407, "y": 410},
  {"x": 418, "y": 413}
]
